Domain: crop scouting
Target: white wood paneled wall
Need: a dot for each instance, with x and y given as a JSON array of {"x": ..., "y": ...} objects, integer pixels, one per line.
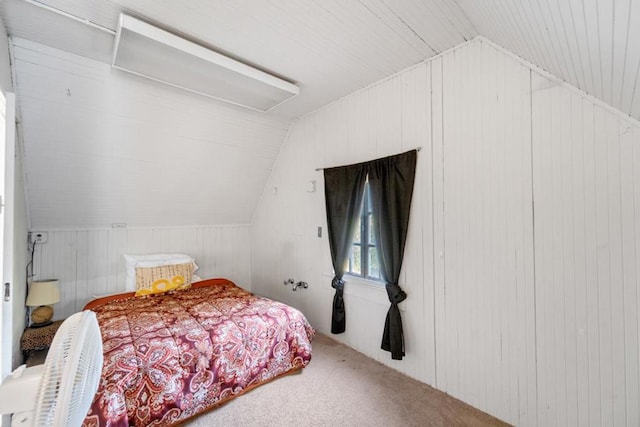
[
  {"x": 90, "y": 262},
  {"x": 523, "y": 244},
  {"x": 131, "y": 151},
  {"x": 586, "y": 164},
  {"x": 485, "y": 339}
]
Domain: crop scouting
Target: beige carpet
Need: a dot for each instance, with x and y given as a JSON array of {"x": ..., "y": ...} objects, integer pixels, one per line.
[{"x": 343, "y": 387}]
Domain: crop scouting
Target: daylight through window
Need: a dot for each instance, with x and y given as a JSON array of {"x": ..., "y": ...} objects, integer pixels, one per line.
[{"x": 363, "y": 259}]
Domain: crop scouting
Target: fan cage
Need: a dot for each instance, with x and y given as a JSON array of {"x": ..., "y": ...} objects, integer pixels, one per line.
[{"x": 71, "y": 372}]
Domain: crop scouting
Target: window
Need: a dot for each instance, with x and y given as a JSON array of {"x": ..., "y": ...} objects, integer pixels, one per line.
[{"x": 363, "y": 259}]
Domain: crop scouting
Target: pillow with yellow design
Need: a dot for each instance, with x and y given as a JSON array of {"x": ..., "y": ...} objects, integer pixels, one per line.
[{"x": 156, "y": 280}]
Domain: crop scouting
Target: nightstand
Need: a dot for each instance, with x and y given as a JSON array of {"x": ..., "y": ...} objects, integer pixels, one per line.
[{"x": 35, "y": 342}]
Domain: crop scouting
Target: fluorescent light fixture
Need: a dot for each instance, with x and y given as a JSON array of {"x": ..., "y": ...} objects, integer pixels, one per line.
[{"x": 151, "y": 52}]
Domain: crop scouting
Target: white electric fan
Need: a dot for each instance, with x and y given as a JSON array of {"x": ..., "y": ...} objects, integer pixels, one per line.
[{"x": 58, "y": 393}]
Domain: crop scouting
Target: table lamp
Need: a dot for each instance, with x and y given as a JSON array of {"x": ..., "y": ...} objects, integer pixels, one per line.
[{"x": 42, "y": 294}]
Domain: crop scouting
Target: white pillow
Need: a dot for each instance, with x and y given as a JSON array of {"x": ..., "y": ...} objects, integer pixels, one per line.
[{"x": 151, "y": 260}]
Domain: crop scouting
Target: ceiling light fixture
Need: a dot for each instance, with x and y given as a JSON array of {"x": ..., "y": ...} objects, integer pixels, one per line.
[{"x": 151, "y": 52}]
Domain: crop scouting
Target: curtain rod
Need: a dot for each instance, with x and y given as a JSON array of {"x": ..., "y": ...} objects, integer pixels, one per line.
[{"x": 417, "y": 149}]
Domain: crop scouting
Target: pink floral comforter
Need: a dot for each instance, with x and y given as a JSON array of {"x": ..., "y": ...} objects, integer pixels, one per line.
[{"x": 169, "y": 357}]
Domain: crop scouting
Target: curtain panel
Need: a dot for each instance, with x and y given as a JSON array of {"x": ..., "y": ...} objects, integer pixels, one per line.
[
  {"x": 344, "y": 191},
  {"x": 391, "y": 181}
]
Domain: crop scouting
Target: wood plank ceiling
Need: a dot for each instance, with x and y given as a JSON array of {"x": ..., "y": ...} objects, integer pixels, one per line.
[
  {"x": 592, "y": 44},
  {"x": 102, "y": 147}
]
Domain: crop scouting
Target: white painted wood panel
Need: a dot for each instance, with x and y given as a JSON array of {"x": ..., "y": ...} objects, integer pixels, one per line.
[
  {"x": 486, "y": 175},
  {"x": 630, "y": 144},
  {"x": 416, "y": 132},
  {"x": 106, "y": 148},
  {"x": 90, "y": 262},
  {"x": 585, "y": 245},
  {"x": 437, "y": 137}
]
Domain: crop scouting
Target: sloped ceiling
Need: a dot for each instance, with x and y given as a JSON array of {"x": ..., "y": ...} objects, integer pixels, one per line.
[
  {"x": 592, "y": 44},
  {"x": 104, "y": 147}
]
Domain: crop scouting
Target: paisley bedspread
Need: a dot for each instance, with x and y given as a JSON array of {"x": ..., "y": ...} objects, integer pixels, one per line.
[{"x": 171, "y": 356}]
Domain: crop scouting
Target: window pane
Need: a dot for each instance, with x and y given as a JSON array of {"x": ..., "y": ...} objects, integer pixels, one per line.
[
  {"x": 358, "y": 236},
  {"x": 374, "y": 263},
  {"x": 355, "y": 263},
  {"x": 372, "y": 237}
]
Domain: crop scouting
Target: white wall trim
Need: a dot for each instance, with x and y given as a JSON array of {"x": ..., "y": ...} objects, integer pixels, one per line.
[{"x": 146, "y": 227}]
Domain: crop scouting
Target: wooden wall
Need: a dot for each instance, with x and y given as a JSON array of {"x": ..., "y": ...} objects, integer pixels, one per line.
[
  {"x": 520, "y": 266},
  {"x": 586, "y": 189},
  {"x": 484, "y": 283},
  {"x": 90, "y": 262},
  {"x": 102, "y": 146}
]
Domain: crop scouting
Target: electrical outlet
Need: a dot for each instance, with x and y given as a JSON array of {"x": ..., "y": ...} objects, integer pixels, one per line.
[{"x": 39, "y": 236}]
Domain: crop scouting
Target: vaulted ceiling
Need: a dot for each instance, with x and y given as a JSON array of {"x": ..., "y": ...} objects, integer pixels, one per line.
[{"x": 103, "y": 147}]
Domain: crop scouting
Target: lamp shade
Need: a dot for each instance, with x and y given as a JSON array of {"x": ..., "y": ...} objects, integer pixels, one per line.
[{"x": 43, "y": 292}]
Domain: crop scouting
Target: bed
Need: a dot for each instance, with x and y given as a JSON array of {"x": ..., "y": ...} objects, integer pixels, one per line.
[{"x": 171, "y": 356}]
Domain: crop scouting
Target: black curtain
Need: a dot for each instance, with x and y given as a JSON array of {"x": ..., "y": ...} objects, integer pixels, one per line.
[
  {"x": 344, "y": 191},
  {"x": 391, "y": 182}
]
